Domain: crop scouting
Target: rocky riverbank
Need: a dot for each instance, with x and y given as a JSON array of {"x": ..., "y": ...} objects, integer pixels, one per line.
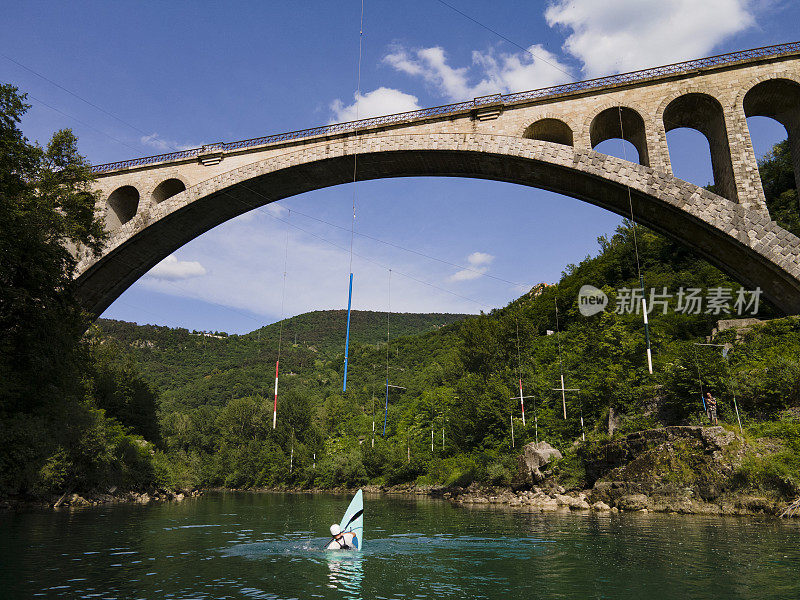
[
  {"x": 112, "y": 496},
  {"x": 680, "y": 469}
]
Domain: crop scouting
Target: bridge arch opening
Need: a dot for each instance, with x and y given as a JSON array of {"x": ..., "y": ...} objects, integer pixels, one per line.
[
  {"x": 779, "y": 100},
  {"x": 122, "y": 206},
  {"x": 167, "y": 189},
  {"x": 690, "y": 156},
  {"x": 620, "y": 122},
  {"x": 704, "y": 113},
  {"x": 550, "y": 130}
]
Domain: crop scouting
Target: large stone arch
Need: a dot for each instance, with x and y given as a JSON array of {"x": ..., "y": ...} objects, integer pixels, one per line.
[{"x": 746, "y": 244}]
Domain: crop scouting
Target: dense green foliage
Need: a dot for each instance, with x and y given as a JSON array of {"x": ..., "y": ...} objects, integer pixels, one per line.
[
  {"x": 135, "y": 406},
  {"x": 458, "y": 381},
  {"x": 54, "y": 435},
  {"x": 780, "y": 190}
]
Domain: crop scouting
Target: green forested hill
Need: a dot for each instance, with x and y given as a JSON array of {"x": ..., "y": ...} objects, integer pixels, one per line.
[
  {"x": 201, "y": 368},
  {"x": 324, "y": 329}
]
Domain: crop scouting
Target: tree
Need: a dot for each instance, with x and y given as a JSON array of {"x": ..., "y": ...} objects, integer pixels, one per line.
[{"x": 46, "y": 218}]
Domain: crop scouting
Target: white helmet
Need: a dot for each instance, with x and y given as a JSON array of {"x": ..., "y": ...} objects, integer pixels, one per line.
[{"x": 335, "y": 530}]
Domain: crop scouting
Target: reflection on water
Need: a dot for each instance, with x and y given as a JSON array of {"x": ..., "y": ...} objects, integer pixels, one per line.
[
  {"x": 272, "y": 546},
  {"x": 346, "y": 570}
]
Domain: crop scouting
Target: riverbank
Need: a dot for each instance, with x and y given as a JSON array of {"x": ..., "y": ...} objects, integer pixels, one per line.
[
  {"x": 553, "y": 498},
  {"x": 556, "y": 498},
  {"x": 88, "y": 499},
  {"x": 678, "y": 469}
]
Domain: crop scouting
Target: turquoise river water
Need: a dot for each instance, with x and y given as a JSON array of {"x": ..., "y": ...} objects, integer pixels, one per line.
[{"x": 239, "y": 545}]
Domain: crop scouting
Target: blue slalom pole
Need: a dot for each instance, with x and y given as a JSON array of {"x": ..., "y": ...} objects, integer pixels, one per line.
[
  {"x": 347, "y": 337},
  {"x": 386, "y": 409}
]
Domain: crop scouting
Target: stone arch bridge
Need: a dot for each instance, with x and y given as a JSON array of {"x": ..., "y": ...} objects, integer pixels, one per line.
[{"x": 541, "y": 138}]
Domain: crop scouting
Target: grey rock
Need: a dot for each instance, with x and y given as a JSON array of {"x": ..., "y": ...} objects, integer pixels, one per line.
[{"x": 534, "y": 456}]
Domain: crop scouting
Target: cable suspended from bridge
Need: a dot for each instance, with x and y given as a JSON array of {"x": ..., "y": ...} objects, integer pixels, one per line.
[
  {"x": 353, "y": 222},
  {"x": 280, "y": 326},
  {"x": 388, "y": 313},
  {"x": 564, "y": 389},
  {"x": 636, "y": 250}
]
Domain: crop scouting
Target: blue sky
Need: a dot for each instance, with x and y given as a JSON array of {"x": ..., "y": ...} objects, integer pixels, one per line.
[{"x": 178, "y": 74}]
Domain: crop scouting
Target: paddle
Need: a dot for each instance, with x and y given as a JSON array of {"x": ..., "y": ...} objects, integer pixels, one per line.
[{"x": 357, "y": 514}]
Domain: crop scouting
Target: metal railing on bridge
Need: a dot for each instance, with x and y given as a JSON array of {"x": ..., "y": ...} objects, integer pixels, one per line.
[{"x": 469, "y": 105}]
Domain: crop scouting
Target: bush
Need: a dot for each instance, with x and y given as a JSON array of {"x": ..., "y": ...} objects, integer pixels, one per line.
[
  {"x": 778, "y": 472},
  {"x": 570, "y": 470},
  {"x": 344, "y": 469}
]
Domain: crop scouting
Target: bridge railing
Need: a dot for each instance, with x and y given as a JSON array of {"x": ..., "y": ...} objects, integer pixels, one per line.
[{"x": 459, "y": 107}]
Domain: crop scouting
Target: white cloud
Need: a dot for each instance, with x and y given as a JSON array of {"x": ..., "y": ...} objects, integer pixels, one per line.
[
  {"x": 276, "y": 209},
  {"x": 156, "y": 141},
  {"x": 623, "y": 35},
  {"x": 382, "y": 101},
  {"x": 478, "y": 265},
  {"x": 172, "y": 269},
  {"x": 244, "y": 259},
  {"x": 490, "y": 72}
]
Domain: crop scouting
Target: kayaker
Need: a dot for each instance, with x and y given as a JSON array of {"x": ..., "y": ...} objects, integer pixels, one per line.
[{"x": 341, "y": 541}]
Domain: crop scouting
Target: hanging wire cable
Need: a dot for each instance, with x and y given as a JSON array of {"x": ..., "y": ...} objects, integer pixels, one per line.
[
  {"x": 261, "y": 209},
  {"x": 71, "y": 93},
  {"x": 500, "y": 35},
  {"x": 353, "y": 222},
  {"x": 413, "y": 251},
  {"x": 563, "y": 389},
  {"x": 700, "y": 379},
  {"x": 280, "y": 325},
  {"x": 388, "y": 313},
  {"x": 77, "y": 120},
  {"x": 560, "y": 361},
  {"x": 636, "y": 250},
  {"x": 519, "y": 378}
]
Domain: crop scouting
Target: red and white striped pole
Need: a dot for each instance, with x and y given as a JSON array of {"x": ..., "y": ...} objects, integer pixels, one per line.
[{"x": 275, "y": 405}]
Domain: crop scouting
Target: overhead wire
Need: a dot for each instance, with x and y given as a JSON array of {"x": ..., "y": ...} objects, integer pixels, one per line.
[
  {"x": 388, "y": 313},
  {"x": 353, "y": 222},
  {"x": 71, "y": 93},
  {"x": 560, "y": 361},
  {"x": 636, "y": 251},
  {"x": 170, "y": 145},
  {"x": 510, "y": 41},
  {"x": 280, "y": 326},
  {"x": 84, "y": 123},
  {"x": 260, "y": 209}
]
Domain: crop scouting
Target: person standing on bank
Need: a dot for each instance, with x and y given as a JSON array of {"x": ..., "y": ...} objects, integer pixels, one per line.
[{"x": 711, "y": 408}]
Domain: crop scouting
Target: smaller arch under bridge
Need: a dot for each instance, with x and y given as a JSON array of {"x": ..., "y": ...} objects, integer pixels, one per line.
[{"x": 542, "y": 138}]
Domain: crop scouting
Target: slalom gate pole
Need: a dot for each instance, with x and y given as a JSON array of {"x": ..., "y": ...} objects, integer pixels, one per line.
[
  {"x": 275, "y": 404},
  {"x": 386, "y": 408},
  {"x": 646, "y": 328}
]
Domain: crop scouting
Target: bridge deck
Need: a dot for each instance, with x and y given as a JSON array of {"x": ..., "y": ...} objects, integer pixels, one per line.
[{"x": 568, "y": 89}]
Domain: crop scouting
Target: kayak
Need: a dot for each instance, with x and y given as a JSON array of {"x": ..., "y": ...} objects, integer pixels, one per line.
[{"x": 353, "y": 520}]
